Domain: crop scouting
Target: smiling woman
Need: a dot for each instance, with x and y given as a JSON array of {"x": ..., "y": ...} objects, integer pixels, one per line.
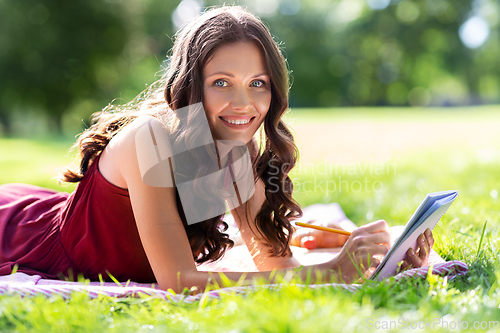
[
  {"x": 237, "y": 92},
  {"x": 118, "y": 223}
]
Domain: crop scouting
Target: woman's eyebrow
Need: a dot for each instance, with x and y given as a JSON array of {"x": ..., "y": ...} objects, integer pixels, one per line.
[
  {"x": 231, "y": 75},
  {"x": 221, "y": 73}
]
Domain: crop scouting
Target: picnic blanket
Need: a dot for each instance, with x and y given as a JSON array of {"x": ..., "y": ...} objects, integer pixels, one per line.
[
  {"x": 237, "y": 259},
  {"x": 31, "y": 285}
]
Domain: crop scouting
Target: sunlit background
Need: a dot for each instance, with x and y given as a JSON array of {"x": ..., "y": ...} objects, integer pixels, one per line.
[{"x": 62, "y": 61}]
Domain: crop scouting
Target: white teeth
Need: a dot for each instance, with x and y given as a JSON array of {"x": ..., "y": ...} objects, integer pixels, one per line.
[{"x": 237, "y": 122}]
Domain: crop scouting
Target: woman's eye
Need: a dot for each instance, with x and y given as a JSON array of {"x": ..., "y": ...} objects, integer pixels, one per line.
[
  {"x": 220, "y": 83},
  {"x": 258, "y": 84}
]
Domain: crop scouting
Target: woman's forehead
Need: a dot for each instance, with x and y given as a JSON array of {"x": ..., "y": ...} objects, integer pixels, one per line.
[{"x": 239, "y": 57}]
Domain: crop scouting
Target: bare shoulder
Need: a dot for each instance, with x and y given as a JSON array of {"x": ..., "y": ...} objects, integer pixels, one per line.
[
  {"x": 124, "y": 141},
  {"x": 141, "y": 147},
  {"x": 131, "y": 145}
]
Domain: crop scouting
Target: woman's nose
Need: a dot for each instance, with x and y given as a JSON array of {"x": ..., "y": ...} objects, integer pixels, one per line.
[{"x": 241, "y": 99}]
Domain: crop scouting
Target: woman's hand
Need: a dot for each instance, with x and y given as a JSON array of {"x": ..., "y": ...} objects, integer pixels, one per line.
[
  {"x": 420, "y": 257},
  {"x": 364, "y": 250},
  {"x": 312, "y": 238}
]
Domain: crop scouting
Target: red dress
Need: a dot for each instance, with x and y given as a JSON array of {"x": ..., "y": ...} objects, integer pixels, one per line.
[{"x": 91, "y": 231}]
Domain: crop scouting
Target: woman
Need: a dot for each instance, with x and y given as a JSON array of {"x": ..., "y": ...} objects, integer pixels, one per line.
[{"x": 120, "y": 222}]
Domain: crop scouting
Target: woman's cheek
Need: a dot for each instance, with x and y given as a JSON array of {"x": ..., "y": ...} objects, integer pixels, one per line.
[
  {"x": 213, "y": 102},
  {"x": 210, "y": 96},
  {"x": 262, "y": 101}
]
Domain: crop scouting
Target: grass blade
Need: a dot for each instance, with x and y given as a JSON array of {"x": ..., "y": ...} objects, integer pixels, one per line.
[{"x": 481, "y": 240}]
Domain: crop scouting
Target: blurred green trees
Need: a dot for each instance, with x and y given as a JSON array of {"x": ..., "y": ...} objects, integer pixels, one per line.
[
  {"x": 408, "y": 53},
  {"x": 52, "y": 53},
  {"x": 66, "y": 60},
  {"x": 71, "y": 58}
]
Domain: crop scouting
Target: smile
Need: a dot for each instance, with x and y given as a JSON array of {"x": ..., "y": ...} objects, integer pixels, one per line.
[{"x": 237, "y": 121}]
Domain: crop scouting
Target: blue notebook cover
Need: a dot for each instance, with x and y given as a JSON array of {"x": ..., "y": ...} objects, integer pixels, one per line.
[{"x": 426, "y": 216}]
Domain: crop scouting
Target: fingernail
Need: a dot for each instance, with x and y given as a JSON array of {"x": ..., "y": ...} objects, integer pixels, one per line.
[
  {"x": 428, "y": 232},
  {"x": 308, "y": 242}
]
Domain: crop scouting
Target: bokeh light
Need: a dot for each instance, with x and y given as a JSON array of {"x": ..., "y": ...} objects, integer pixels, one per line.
[
  {"x": 474, "y": 32},
  {"x": 186, "y": 11},
  {"x": 378, "y": 4},
  {"x": 289, "y": 7}
]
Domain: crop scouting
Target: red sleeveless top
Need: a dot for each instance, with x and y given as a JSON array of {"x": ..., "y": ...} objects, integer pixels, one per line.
[{"x": 91, "y": 231}]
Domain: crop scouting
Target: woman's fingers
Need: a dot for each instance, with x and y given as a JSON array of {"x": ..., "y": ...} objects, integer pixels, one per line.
[
  {"x": 372, "y": 240},
  {"x": 368, "y": 250},
  {"x": 419, "y": 258},
  {"x": 376, "y": 226},
  {"x": 308, "y": 242},
  {"x": 366, "y": 254},
  {"x": 372, "y": 261},
  {"x": 430, "y": 237},
  {"x": 382, "y": 237},
  {"x": 299, "y": 234},
  {"x": 405, "y": 265},
  {"x": 365, "y": 248},
  {"x": 368, "y": 241},
  {"x": 424, "y": 250},
  {"x": 323, "y": 239},
  {"x": 378, "y": 233},
  {"x": 413, "y": 259},
  {"x": 365, "y": 261}
]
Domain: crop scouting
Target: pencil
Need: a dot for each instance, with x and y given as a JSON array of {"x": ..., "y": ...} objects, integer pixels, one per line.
[{"x": 317, "y": 227}]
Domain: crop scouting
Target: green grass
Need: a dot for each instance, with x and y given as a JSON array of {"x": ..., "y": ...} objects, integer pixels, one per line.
[
  {"x": 396, "y": 114},
  {"x": 399, "y": 189},
  {"x": 35, "y": 162}
]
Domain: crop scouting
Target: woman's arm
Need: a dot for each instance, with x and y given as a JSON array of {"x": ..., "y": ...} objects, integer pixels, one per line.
[
  {"x": 160, "y": 227},
  {"x": 245, "y": 216},
  {"x": 167, "y": 246}
]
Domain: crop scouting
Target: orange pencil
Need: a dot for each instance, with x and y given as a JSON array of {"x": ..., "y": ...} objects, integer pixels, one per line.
[{"x": 317, "y": 227}]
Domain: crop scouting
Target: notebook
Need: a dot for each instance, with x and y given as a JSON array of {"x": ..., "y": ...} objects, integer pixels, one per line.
[{"x": 426, "y": 216}]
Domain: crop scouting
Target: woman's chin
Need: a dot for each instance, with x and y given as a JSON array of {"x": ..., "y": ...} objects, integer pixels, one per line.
[{"x": 242, "y": 139}]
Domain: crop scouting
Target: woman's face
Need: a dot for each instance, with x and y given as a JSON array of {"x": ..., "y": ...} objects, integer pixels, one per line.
[{"x": 236, "y": 91}]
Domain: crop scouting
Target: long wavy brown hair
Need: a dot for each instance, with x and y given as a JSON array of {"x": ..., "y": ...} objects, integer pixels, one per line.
[{"x": 182, "y": 85}]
